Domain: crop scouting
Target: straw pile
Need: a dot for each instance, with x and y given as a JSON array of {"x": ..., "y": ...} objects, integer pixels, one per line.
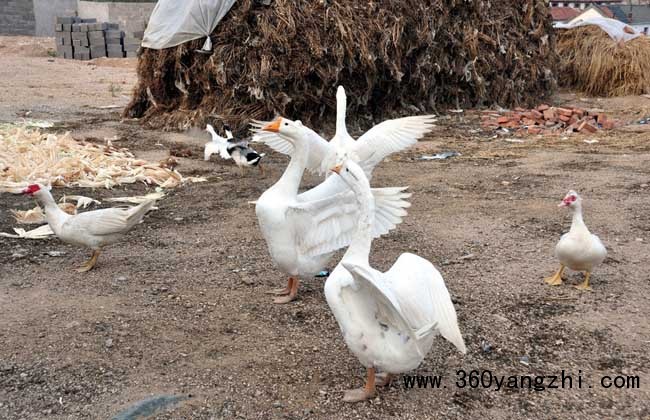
[
  {"x": 393, "y": 57},
  {"x": 28, "y": 156},
  {"x": 595, "y": 64}
]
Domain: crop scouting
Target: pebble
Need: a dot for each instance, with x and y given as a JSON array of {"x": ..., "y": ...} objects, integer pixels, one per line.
[
  {"x": 486, "y": 347},
  {"x": 524, "y": 360},
  {"x": 120, "y": 278},
  {"x": 18, "y": 255},
  {"x": 109, "y": 343},
  {"x": 178, "y": 219},
  {"x": 55, "y": 253},
  {"x": 277, "y": 404}
]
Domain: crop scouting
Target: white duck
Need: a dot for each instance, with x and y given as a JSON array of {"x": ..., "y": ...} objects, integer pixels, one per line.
[
  {"x": 372, "y": 147},
  {"x": 388, "y": 320},
  {"x": 578, "y": 249},
  {"x": 91, "y": 229},
  {"x": 231, "y": 148},
  {"x": 302, "y": 231}
]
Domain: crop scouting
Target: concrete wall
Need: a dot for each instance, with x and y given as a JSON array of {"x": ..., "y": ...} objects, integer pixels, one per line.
[
  {"x": 17, "y": 17},
  {"x": 46, "y": 11},
  {"x": 132, "y": 16}
]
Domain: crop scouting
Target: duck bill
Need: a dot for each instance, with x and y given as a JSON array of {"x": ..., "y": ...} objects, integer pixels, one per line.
[{"x": 273, "y": 126}]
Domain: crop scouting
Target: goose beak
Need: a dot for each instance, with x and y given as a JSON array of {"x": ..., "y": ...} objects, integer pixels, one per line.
[
  {"x": 337, "y": 169},
  {"x": 273, "y": 126}
]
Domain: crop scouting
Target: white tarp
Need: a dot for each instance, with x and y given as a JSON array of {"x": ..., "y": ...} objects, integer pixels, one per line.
[
  {"x": 174, "y": 22},
  {"x": 614, "y": 28}
]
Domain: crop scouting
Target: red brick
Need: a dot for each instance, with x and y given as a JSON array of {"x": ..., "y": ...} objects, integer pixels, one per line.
[
  {"x": 543, "y": 107},
  {"x": 549, "y": 115},
  {"x": 549, "y": 123},
  {"x": 574, "y": 119},
  {"x": 609, "y": 124},
  {"x": 536, "y": 114},
  {"x": 502, "y": 120},
  {"x": 585, "y": 127},
  {"x": 601, "y": 118},
  {"x": 564, "y": 118},
  {"x": 534, "y": 130},
  {"x": 579, "y": 112}
]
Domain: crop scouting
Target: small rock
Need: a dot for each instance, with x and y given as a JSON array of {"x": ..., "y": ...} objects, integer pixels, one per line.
[
  {"x": 178, "y": 219},
  {"x": 120, "y": 278},
  {"x": 277, "y": 404},
  {"x": 639, "y": 239},
  {"x": 524, "y": 360},
  {"x": 23, "y": 375},
  {"x": 485, "y": 346},
  {"x": 18, "y": 255},
  {"x": 55, "y": 253},
  {"x": 109, "y": 343}
]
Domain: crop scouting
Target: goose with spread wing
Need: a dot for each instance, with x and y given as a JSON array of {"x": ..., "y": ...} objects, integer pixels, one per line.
[
  {"x": 303, "y": 231},
  {"x": 388, "y": 320},
  {"x": 372, "y": 147},
  {"x": 232, "y": 148}
]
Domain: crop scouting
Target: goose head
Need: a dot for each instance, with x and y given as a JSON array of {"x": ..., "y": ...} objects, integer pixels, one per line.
[
  {"x": 572, "y": 201},
  {"x": 352, "y": 175},
  {"x": 37, "y": 191},
  {"x": 290, "y": 130}
]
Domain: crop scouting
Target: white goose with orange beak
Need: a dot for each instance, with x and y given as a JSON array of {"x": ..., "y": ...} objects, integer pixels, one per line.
[
  {"x": 92, "y": 229},
  {"x": 578, "y": 249},
  {"x": 388, "y": 320},
  {"x": 372, "y": 147},
  {"x": 304, "y": 230}
]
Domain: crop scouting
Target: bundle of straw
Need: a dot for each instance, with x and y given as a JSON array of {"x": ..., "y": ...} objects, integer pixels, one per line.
[
  {"x": 393, "y": 57},
  {"x": 595, "y": 64}
]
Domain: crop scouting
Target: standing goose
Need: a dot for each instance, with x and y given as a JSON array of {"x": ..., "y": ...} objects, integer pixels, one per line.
[
  {"x": 92, "y": 229},
  {"x": 303, "y": 231},
  {"x": 229, "y": 147},
  {"x": 372, "y": 147},
  {"x": 578, "y": 249},
  {"x": 388, "y": 320}
]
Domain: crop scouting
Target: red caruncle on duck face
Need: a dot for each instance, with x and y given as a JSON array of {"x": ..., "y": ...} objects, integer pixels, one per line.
[
  {"x": 31, "y": 189},
  {"x": 568, "y": 200}
]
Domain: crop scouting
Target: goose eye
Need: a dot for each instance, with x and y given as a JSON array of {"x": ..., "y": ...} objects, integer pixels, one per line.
[
  {"x": 286, "y": 123},
  {"x": 347, "y": 170}
]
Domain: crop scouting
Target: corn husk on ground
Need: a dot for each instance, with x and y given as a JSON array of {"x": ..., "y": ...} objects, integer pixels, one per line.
[{"x": 29, "y": 156}]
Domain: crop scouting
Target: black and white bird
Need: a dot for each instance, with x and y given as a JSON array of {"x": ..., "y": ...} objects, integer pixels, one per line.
[{"x": 232, "y": 148}]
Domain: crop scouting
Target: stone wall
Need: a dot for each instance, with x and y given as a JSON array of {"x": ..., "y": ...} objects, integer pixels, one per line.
[
  {"x": 46, "y": 11},
  {"x": 17, "y": 17},
  {"x": 132, "y": 16}
]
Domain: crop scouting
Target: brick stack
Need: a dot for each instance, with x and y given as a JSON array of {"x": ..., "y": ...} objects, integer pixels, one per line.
[
  {"x": 548, "y": 120},
  {"x": 84, "y": 39}
]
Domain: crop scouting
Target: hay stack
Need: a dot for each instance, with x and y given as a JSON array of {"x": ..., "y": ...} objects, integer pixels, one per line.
[
  {"x": 392, "y": 56},
  {"x": 595, "y": 64}
]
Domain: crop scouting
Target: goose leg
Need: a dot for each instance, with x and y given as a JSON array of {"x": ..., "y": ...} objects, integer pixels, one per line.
[
  {"x": 282, "y": 292},
  {"x": 556, "y": 279},
  {"x": 293, "y": 291},
  {"x": 585, "y": 284},
  {"x": 90, "y": 263},
  {"x": 383, "y": 379},
  {"x": 361, "y": 394}
]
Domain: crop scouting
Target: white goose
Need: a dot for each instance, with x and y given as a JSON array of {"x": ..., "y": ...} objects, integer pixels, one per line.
[
  {"x": 372, "y": 147},
  {"x": 302, "y": 231},
  {"x": 578, "y": 249},
  {"x": 91, "y": 229},
  {"x": 388, "y": 320}
]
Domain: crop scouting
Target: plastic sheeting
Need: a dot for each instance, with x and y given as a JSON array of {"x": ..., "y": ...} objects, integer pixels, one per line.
[
  {"x": 614, "y": 28},
  {"x": 174, "y": 22}
]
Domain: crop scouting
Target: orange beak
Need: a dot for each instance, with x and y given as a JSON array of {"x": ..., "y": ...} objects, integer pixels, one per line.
[
  {"x": 337, "y": 168},
  {"x": 273, "y": 126}
]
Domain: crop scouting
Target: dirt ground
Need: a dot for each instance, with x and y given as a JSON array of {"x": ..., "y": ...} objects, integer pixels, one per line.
[{"x": 179, "y": 308}]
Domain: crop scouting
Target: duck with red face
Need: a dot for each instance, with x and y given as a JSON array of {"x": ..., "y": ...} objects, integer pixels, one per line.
[
  {"x": 91, "y": 229},
  {"x": 578, "y": 249}
]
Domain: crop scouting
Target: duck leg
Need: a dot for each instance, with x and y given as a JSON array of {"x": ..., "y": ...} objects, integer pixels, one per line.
[
  {"x": 585, "y": 284},
  {"x": 361, "y": 394},
  {"x": 293, "y": 291},
  {"x": 90, "y": 263},
  {"x": 556, "y": 279},
  {"x": 282, "y": 292}
]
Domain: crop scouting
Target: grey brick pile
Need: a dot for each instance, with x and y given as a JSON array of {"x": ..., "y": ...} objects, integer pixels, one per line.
[{"x": 84, "y": 39}]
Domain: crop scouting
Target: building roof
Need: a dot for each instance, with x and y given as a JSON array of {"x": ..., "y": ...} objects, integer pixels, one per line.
[
  {"x": 560, "y": 14},
  {"x": 631, "y": 14},
  {"x": 605, "y": 11}
]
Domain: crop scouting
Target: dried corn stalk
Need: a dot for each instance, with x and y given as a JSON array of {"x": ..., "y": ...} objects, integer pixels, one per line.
[{"x": 29, "y": 156}]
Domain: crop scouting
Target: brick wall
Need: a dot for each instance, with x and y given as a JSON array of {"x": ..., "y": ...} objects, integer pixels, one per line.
[{"x": 17, "y": 17}]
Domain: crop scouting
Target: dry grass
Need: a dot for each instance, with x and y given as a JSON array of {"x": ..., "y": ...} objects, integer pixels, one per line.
[
  {"x": 595, "y": 64},
  {"x": 393, "y": 57}
]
